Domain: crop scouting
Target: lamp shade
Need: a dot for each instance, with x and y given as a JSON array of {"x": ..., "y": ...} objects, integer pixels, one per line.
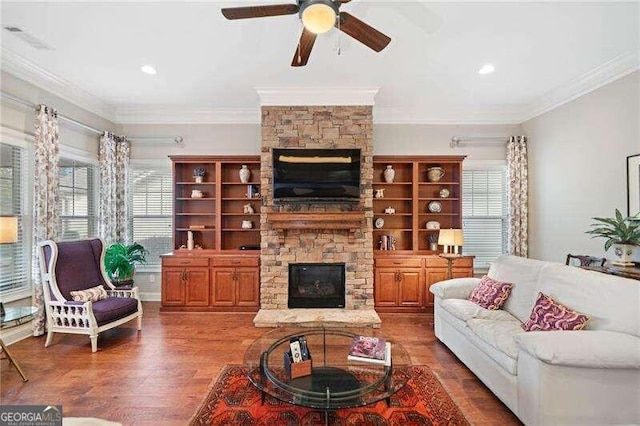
[
  {"x": 446, "y": 237},
  {"x": 8, "y": 229},
  {"x": 318, "y": 17},
  {"x": 458, "y": 237}
]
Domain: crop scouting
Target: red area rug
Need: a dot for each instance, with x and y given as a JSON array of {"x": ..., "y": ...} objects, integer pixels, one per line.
[{"x": 233, "y": 400}]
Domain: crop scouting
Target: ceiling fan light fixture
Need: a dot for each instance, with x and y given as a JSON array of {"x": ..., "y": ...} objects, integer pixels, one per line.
[{"x": 318, "y": 16}]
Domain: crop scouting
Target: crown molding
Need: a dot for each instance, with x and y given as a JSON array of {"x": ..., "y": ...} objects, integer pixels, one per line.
[
  {"x": 140, "y": 114},
  {"x": 485, "y": 115},
  {"x": 316, "y": 96},
  {"x": 604, "y": 74},
  {"x": 30, "y": 72}
]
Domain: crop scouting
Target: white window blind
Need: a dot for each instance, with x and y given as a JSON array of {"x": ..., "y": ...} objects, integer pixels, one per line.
[
  {"x": 77, "y": 198},
  {"x": 14, "y": 257},
  {"x": 151, "y": 203},
  {"x": 484, "y": 214}
]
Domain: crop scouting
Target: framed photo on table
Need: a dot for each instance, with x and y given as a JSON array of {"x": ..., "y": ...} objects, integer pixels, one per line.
[{"x": 633, "y": 185}]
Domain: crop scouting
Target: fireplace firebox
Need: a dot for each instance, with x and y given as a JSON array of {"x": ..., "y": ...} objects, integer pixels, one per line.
[{"x": 316, "y": 285}]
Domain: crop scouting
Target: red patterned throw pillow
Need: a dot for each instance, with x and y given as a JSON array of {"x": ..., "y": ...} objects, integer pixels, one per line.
[
  {"x": 548, "y": 315},
  {"x": 490, "y": 294}
]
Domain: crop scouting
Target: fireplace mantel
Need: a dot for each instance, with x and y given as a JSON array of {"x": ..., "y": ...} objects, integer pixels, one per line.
[{"x": 316, "y": 220}]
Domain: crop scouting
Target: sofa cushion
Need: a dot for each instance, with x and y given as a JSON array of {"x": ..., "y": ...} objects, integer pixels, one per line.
[
  {"x": 92, "y": 294},
  {"x": 523, "y": 274},
  {"x": 490, "y": 294},
  {"x": 498, "y": 334},
  {"x": 114, "y": 308},
  {"x": 548, "y": 315},
  {"x": 489, "y": 347},
  {"x": 587, "y": 348},
  {"x": 611, "y": 302},
  {"x": 467, "y": 310}
]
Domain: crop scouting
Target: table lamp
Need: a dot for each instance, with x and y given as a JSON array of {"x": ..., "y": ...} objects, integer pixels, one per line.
[{"x": 451, "y": 239}]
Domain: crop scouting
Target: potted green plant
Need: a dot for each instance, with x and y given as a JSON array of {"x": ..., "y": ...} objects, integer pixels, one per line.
[
  {"x": 621, "y": 232},
  {"x": 120, "y": 262}
]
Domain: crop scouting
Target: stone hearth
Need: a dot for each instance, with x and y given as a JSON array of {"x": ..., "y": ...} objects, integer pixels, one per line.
[{"x": 284, "y": 242}]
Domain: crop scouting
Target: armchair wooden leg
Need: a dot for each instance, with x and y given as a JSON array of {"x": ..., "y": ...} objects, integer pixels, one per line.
[
  {"x": 94, "y": 343},
  {"x": 12, "y": 361},
  {"x": 49, "y": 338},
  {"x": 140, "y": 323}
]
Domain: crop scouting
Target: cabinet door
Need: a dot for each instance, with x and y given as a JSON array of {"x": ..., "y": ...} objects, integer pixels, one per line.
[
  {"x": 411, "y": 288},
  {"x": 247, "y": 287},
  {"x": 385, "y": 287},
  {"x": 434, "y": 275},
  {"x": 223, "y": 287},
  {"x": 173, "y": 288},
  {"x": 197, "y": 287}
]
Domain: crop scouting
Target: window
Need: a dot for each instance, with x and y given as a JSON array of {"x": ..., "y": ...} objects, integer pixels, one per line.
[
  {"x": 151, "y": 200},
  {"x": 484, "y": 214},
  {"x": 77, "y": 198},
  {"x": 14, "y": 257}
]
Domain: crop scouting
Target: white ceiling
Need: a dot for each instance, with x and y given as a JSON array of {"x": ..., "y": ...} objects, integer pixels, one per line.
[{"x": 545, "y": 53}]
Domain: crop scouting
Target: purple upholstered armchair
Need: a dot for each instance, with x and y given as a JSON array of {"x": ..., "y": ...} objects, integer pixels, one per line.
[{"x": 76, "y": 266}]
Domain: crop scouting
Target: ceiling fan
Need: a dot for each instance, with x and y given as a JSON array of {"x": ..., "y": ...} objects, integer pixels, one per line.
[{"x": 318, "y": 16}]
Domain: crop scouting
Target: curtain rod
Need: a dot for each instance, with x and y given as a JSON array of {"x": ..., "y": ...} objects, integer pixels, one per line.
[
  {"x": 456, "y": 140},
  {"x": 176, "y": 139}
]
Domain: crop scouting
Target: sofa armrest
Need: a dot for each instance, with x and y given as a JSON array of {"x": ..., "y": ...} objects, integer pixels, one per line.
[
  {"x": 456, "y": 288},
  {"x": 585, "y": 348}
]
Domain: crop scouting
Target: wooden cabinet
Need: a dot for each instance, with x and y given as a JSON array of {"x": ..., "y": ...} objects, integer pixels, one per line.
[
  {"x": 401, "y": 284},
  {"x": 236, "y": 283},
  {"x": 405, "y": 264},
  {"x": 185, "y": 282},
  {"x": 223, "y": 214}
]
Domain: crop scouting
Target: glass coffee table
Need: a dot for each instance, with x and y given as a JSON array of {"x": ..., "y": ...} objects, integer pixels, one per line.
[{"x": 335, "y": 382}]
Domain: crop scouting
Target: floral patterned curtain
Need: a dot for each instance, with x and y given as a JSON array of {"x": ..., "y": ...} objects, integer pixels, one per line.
[
  {"x": 518, "y": 196},
  {"x": 46, "y": 223},
  {"x": 114, "y": 172}
]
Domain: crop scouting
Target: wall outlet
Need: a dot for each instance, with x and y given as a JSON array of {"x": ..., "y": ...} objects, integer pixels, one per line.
[{"x": 152, "y": 278}]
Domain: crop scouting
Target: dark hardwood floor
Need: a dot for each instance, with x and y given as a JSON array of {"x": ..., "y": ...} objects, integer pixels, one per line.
[{"x": 161, "y": 375}]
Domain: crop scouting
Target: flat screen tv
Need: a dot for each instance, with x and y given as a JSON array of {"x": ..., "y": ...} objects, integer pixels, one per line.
[{"x": 316, "y": 175}]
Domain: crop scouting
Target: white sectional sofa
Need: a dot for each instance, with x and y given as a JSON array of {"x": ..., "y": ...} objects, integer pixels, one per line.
[{"x": 587, "y": 377}]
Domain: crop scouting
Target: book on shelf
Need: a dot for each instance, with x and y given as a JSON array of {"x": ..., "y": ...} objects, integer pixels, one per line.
[{"x": 386, "y": 360}]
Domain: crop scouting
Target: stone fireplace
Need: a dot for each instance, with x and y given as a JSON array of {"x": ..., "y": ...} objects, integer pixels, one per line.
[{"x": 324, "y": 239}]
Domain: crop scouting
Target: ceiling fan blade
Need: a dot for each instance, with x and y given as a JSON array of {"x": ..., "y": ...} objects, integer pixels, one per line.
[
  {"x": 259, "y": 11},
  {"x": 362, "y": 32},
  {"x": 303, "y": 50}
]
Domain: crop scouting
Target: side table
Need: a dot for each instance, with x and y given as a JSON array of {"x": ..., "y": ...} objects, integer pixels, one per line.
[{"x": 13, "y": 317}]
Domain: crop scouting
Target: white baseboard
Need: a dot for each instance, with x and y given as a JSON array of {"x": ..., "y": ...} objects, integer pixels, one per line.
[
  {"x": 15, "y": 334},
  {"x": 150, "y": 296}
]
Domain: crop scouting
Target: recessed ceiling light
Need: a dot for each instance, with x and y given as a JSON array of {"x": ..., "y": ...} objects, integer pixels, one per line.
[
  {"x": 487, "y": 69},
  {"x": 148, "y": 69}
]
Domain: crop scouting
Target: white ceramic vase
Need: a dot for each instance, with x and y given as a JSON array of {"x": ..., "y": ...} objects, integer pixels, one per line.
[
  {"x": 623, "y": 254},
  {"x": 389, "y": 174},
  {"x": 244, "y": 173}
]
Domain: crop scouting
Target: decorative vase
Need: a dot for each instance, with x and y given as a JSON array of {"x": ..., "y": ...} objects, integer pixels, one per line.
[
  {"x": 623, "y": 254},
  {"x": 389, "y": 174},
  {"x": 197, "y": 179},
  {"x": 434, "y": 174},
  {"x": 244, "y": 173},
  {"x": 190, "y": 244}
]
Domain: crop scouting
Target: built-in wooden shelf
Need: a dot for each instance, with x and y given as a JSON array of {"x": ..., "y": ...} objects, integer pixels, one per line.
[{"x": 316, "y": 220}]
